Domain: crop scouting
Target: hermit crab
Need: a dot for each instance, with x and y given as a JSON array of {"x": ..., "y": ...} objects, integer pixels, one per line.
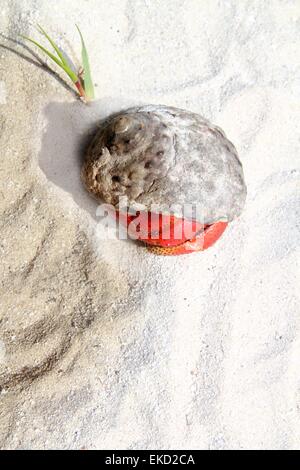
[
  {"x": 180, "y": 177},
  {"x": 174, "y": 178}
]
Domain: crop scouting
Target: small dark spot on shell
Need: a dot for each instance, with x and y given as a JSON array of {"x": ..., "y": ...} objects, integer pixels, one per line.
[
  {"x": 160, "y": 153},
  {"x": 116, "y": 179},
  {"x": 149, "y": 164},
  {"x": 126, "y": 141}
]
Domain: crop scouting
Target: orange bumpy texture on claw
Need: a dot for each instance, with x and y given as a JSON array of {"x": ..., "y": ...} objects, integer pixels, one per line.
[{"x": 200, "y": 242}]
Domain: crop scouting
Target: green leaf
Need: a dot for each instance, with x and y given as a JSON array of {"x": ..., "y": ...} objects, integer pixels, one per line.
[
  {"x": 61, "y": 64},
  {"x": 87, "y": 79},
  {"x": 68, "y": 60},
  {"x": 55, "y": 47},
  {"x": 63, "y": 57}
]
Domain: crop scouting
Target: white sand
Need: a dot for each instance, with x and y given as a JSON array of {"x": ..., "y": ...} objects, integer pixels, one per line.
[{"x": 103, "y": 345}]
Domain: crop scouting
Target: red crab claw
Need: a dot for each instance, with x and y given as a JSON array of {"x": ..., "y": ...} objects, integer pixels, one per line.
[{"x": 170, "y": 235}]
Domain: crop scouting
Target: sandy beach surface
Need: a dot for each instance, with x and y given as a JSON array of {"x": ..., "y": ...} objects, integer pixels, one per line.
[{"x": 104, "y": 345}]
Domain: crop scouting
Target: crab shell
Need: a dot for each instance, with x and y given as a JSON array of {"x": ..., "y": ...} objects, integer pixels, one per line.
[{"x": 159, "y": 160}]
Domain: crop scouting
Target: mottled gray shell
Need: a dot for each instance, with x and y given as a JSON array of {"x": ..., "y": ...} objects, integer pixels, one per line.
[{"x": 159, "y": 155}]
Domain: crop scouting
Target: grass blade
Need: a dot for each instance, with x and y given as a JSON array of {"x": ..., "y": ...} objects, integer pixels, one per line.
[
  {"x": 68, "y": 61},
  {"x": 61, "y": 64},
  {"x": 54, "y": 45},
  {"x": 87, "y": 78}
]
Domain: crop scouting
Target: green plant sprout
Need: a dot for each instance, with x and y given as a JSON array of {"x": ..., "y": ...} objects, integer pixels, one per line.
[{"x": 81, "y": 79}]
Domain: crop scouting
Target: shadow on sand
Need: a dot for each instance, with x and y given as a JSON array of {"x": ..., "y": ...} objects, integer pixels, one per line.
[{"x": 69, "y": 129}]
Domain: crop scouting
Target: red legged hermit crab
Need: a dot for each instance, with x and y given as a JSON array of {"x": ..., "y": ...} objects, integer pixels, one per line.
[
  {"x": 176, "y": 170},
  {"x": 181, "y": 177}
]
